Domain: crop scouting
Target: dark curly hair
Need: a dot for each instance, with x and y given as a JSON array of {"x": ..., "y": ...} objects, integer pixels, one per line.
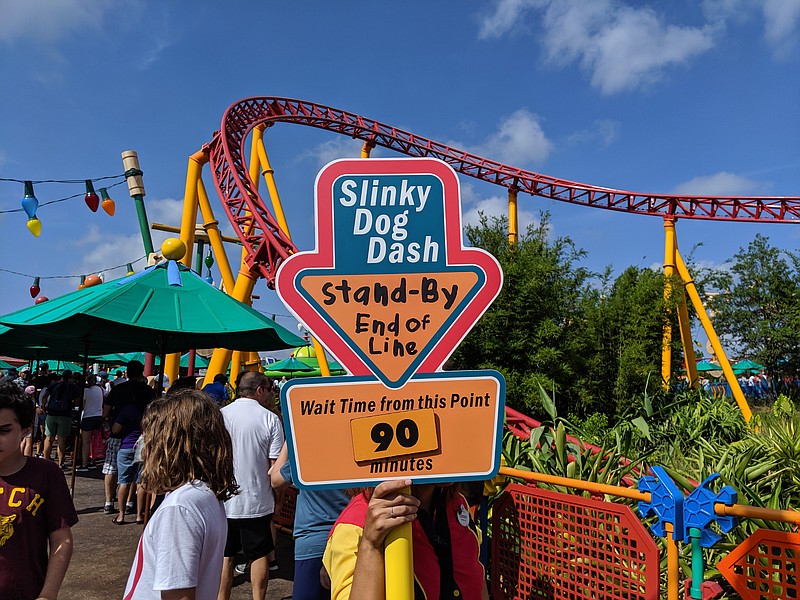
[
  {"x": 185, "y": 440},
  {"x": 12, "y": 398}
]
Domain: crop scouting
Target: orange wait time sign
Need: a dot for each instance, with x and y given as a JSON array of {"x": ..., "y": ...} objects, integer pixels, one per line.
[{"x": 438, "y": 427}]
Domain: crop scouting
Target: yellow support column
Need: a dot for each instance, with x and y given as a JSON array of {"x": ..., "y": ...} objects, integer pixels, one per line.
[
  {"x": 686, "y": 331},
  {"x": 188, "y": 223},
  {"x": 272, "y": 188},
  {"x": 686, "y": 340},
  {"x": 245, "y": 282},
  {"x": 366, "y": 149},
  {"x": 513, "y": 219},
  {"x": 669, "y": 273},
  {"x": 673, "y": 566},
  {"x": 730, "y": 377},
  {"x": 211, "y": 225}
]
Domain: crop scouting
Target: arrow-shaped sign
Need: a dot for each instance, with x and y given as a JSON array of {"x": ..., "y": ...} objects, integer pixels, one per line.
[{"x": 390, "y": 289}]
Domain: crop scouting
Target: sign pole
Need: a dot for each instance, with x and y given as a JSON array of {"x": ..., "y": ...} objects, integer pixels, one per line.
[{"x": 399, "y": 561}]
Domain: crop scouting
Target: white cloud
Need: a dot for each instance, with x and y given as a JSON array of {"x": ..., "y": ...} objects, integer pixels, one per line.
[
  {"x": 50, "y": 20},
  {"x": 519, "y": 140},
  {"x": 472, "y": 205},
  {"x": 102, "y": 249},
  {"x": 168, "y": 211},
  {"x": 623, "y": 47},
  {"x": 718, "y": 184},
  {"x": 603, "y": 132},
  {"x": 506, "y": 17},
  {"x": 339, "y": 147},
  {"x": 158, "y": 37},
  {"x": 781, "y": 24}
]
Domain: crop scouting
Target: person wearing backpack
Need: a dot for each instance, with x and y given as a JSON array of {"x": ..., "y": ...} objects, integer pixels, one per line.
[{"x": 58, "y": 401}]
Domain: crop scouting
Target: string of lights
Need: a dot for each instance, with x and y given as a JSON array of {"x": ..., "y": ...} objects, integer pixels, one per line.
[
  {"x": 120, "y": 266},
  {"x": 64, "y": 199}
]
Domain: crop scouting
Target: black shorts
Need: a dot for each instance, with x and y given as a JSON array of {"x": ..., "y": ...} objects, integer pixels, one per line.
[
  {"x": 251, "y": 537},
  {"x": 91, "y": 423}
]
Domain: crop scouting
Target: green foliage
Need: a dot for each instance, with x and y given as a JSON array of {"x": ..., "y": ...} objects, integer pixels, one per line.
[
  {"x": 783, "y": 406},
  {"x": 592, "y": 347},
  {"x": 758, "y": 304},
  {"x": 691, "y": 436}
]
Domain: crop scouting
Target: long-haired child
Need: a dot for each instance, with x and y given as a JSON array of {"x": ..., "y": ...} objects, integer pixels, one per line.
[{"x": 187, "y": 455}]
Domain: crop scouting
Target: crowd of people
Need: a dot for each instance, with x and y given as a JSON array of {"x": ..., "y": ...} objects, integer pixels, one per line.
[{"x": 207, "y": 474}]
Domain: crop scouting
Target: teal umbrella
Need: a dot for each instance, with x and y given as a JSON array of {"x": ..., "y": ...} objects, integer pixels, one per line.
[
  {"x": 58, "y": 366},
  {"x": 287, "y": 367},
  {"x": 165, "y": 308},
  {"x": 745, "y": 365},
  {"x": 313, "y": 369},
  {"x": 705, "y": 366}
]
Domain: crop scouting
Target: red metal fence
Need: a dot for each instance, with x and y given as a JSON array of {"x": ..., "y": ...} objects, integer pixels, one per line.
[{"x": 566, "y": 547}]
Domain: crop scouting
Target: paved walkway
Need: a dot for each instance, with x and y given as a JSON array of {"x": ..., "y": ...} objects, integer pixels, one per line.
[{"x": 104, "y": 552}]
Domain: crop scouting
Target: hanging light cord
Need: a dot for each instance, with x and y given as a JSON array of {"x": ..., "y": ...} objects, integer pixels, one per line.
[
  {"x": 125, "y": 264},
  {"x": 81, "y": 195}
]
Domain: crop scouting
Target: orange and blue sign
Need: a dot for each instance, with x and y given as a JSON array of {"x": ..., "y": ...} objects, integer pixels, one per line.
[{"x": 390, "y": 291}]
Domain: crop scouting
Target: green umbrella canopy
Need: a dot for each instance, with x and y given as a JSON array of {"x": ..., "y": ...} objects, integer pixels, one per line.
[
  {"x": 290, "y": 364},
  {"x": 20, "y": 344},
  {"x": 312, "y": 370},
  {"x": 747, "y": 365},
  {"x": 704, "y": 366},
  {"x": 165, "y": 308},
  {"x": 57, "y": 366}
]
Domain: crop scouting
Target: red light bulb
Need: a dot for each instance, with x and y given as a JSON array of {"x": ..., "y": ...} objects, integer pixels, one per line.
[
  {"x": 35, "y": 288},
  {"x": 91, "y": 198}
]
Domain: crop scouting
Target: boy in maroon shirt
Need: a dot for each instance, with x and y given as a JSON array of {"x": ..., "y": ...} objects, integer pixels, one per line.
[{"x": 36, "y": 511}]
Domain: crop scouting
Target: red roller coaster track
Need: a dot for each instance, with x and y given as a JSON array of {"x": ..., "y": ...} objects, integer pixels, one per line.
[{"x": 267, "y": 246}]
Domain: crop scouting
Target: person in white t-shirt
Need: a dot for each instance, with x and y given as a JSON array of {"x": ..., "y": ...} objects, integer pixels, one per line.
[
  {"x": 257, "y": 438},
  {"x": 91, "y": 418},
  {"x": 187, "y": 454}
]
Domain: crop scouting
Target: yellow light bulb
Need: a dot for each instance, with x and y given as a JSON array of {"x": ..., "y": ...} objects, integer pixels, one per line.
[{"x": 34, "y": 226}]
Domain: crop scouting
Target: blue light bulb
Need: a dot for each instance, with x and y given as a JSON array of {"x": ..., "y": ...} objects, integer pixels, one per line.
[{"x": 29, "y": 203}]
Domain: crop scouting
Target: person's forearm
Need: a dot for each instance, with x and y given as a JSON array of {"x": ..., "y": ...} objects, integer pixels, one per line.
[
  {"x": 276, "y": 479},
  {"x": 57, "y": 564},
  {"x": 368, "y": 577}
]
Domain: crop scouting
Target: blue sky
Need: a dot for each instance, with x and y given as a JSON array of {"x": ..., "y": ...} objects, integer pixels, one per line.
[{"x": 672, "y": 97}]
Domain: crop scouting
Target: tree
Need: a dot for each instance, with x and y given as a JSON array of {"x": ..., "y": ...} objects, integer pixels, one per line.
[
  {"x": 758, "y": 305},
  {"x": 524, "y": 333},
  {"x": 591, "y": 347}
]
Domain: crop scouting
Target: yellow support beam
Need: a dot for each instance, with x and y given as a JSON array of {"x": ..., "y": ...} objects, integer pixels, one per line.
[
  {"x": 730, "y": 377},
  {"x": 188, "y": 223},
  {"x": 245, "y": 282},
  {"x": 366, "y": 149},
  {"x": 215, "y": 238},
  {"x": 513, "y": 219},
  {"x": 669, "y": 272}
]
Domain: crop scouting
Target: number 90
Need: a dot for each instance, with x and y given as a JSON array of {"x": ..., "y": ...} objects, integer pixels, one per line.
[{"x": 406, "y": 432}]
